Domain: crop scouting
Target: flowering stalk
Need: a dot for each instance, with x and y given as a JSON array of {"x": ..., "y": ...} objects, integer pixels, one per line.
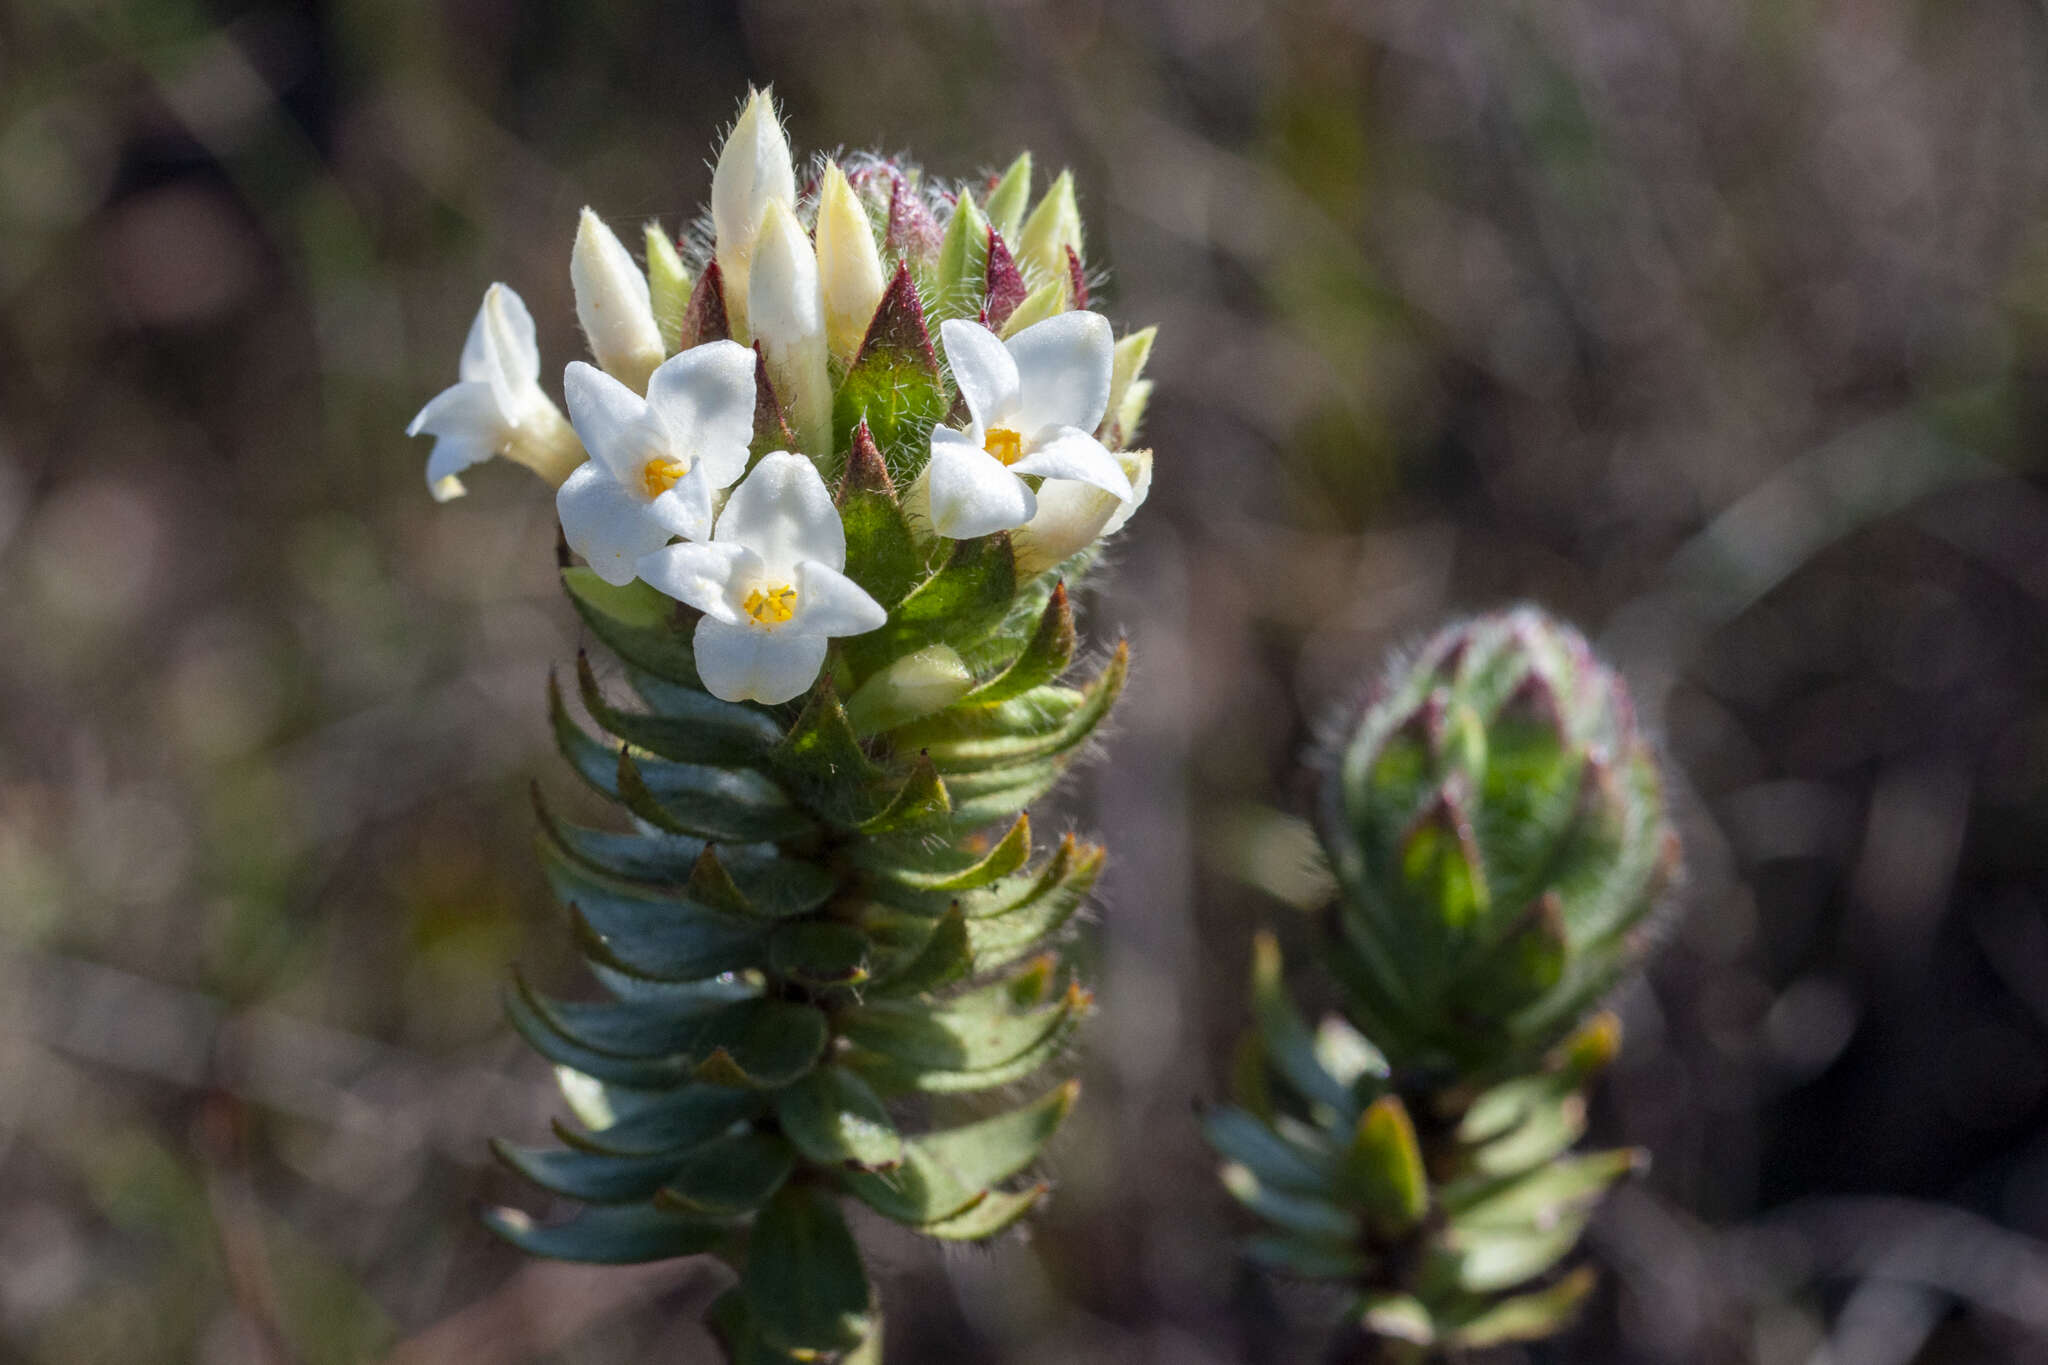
[
  {"x": 1499, "y": 838},
  {"x": 827, "y": 925}
]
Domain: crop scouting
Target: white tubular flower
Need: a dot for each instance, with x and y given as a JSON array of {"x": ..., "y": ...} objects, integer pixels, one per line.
[
  {"x": 497, "y": 407},
  {"x": 849, "y": 265},
  {"x": 1034, "y": 401},
  {"x": 769, "y": 584},
  {"x": 788, "y": 315},
  {"x": 614, "y": 304},
  {"x": 1072, "y": 516},
  {"x": 654, "y": 462},
  {"x": 754, "y": 169}
]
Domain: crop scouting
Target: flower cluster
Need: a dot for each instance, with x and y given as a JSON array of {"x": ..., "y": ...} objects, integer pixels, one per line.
[{"x": 695, "y": 450}]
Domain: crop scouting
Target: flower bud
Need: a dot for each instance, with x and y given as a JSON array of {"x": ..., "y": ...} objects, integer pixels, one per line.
[
  {"x": 614, "y": 304},
  {"x": 1053, "y": 227},
  {"x": 1498, "y": 825},
  {"x": 788, "y": 313},
  {"x": 849, "y": 265},
  {"x": 668, "y": 284},
  {"x": 754, "y": 170},
  {"x": 1007, "y": 200}
]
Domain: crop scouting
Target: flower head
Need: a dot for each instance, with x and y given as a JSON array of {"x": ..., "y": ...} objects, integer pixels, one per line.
[
  {"x": 496, "y": 407},
  {"x": 1034, "y": 402},
  {"x": 655, "y": 462},
  {"x": 769, "y": 583}
]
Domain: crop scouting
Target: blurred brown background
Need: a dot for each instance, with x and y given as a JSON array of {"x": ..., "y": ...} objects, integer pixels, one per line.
[{"x": 1717, "y": 326}]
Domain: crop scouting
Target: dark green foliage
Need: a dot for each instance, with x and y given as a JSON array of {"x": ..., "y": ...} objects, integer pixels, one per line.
[{"x": 1500, "y": 843}]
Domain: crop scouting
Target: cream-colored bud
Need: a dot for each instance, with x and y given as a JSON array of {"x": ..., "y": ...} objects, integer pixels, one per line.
[
  {"x": 1052, "y": 227},
  {"x": 849, "y": 265},
  {"x": 788, "y": 313},
  {"x": 915, "y": 686},
  {"x": 754, "y": 169},
  {"x": 668, "y": 283},
  {"x": 614, "y": 305}
]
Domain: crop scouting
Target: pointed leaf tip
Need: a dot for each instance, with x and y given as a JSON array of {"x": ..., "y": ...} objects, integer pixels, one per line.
[
  {"x": 1077, "y": 281},
  {"x": 899, "y": 326},
  {"x": 771, "y": 426},
  {"x": 866, "y": 471},
  {"x": 704, "y": 317},
  {"x": 1004, "y": 288}
]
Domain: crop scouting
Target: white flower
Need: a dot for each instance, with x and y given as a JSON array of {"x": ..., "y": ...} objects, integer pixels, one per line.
[
  {"x": 655, "y": 462},
  {"x": 769, "y": 584},
  {"x": 1035, "y": 401},
  {"x": 497, "y": 408}
]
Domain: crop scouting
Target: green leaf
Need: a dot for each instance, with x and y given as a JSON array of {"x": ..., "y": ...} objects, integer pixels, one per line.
[
  {"x": 881, "y": 554},
  {"x": 671, "y": 1123},
  {"x": 1044, "y": 301},
  {"x": 1485, "y": 1260},
  {"x": 823, "y": 763},
  {"x": 996, "y": 1212},
  {"x": 1402, "y": 1317},
  {"x": 729, "y": 1175},
  {"x": 649, "y": 933},
  {"x": 963, "y": 262},
  {"x": 656, "y": 859},
  {"x": 1069, "y": 876},
  {"x": 803, "y": 1279},
  {"x": 896, "y": 1073},
  {"x": 1438, "y": 867},
  {"x": 622, "y": 1028},
  {"x": 589, "y": 1176},
  {"x": 627, "y": 1235},
  {"x": 945, "y": 1173},
  {"x": 635, "y": 622},
  {"x": 921, "y": 802},
  {"x": 1526, "y": 1317},
  {"x": 923, "y": 869},
  {"x": 836, "y": 1119},
  {"x": 1007, "y": 201},
  {"x": 1131, "y": 354},
  {"x": 1040, "y": 725},
  {"x": 1286, "y": 1038},
  {"x": 725, "y": 804},
  {"x": 1278, "y": 1163},
  {"x": 1304, "y": 1215},
  {"x": 1045, "y": 656},
  {"x": 1541, "y": 1195},
  {"x": 893, "y": 384},
  {"x": 820, "y": 953},
  {"x": 761, "y": 1043},
  {"x": 945, "y": 956},
  {"x": 963, "y": 601},
  {"x": 597, "y": 764},
  {"x": 702, "y": 729},
  {"x": 973, "y": 1036},
  {"x": 635, "y": 1072},
  {"x": 1381, "y": 1169},
  {"x": 981, "y": 798}
]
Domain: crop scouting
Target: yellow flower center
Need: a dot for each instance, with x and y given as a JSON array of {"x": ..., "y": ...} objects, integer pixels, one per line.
[
  {"x": 771, "y": 606},
  {"x": 1006, "y": 445},
  {"x": 662, "y": 473}
]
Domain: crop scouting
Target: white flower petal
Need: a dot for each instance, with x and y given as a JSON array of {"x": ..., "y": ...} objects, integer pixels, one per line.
[
  {"x": 502, "y": 350},
  {"x": 705, "y": 575},
  {"x": 614, "y": 303},
  {"x": 467, "y": 429},
  {"x": 607, "y": 525},
  {"x": 1138, "y": 468},
  {"x": 1074, "y": 454},
  {"x": 746, "y": 663},
  {"x": 783, "y": 512},
  {"x": 972, "y": 493},
  {"x": 614, "y": 425},
  {"x": 1071, "y": 516},
  {"x": 686, "y": 508},
  {"x": 1064, "y": 368},
  {"x": 983, "y": 368},
  {"x": 830, "y": 603},
  {"x": 705, "y": 397}
]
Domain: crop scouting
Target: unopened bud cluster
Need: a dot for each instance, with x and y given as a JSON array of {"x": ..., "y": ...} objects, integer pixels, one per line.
[
  {"x": 1497, "y": 828},
  {"x": 831, "y": 475}
]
